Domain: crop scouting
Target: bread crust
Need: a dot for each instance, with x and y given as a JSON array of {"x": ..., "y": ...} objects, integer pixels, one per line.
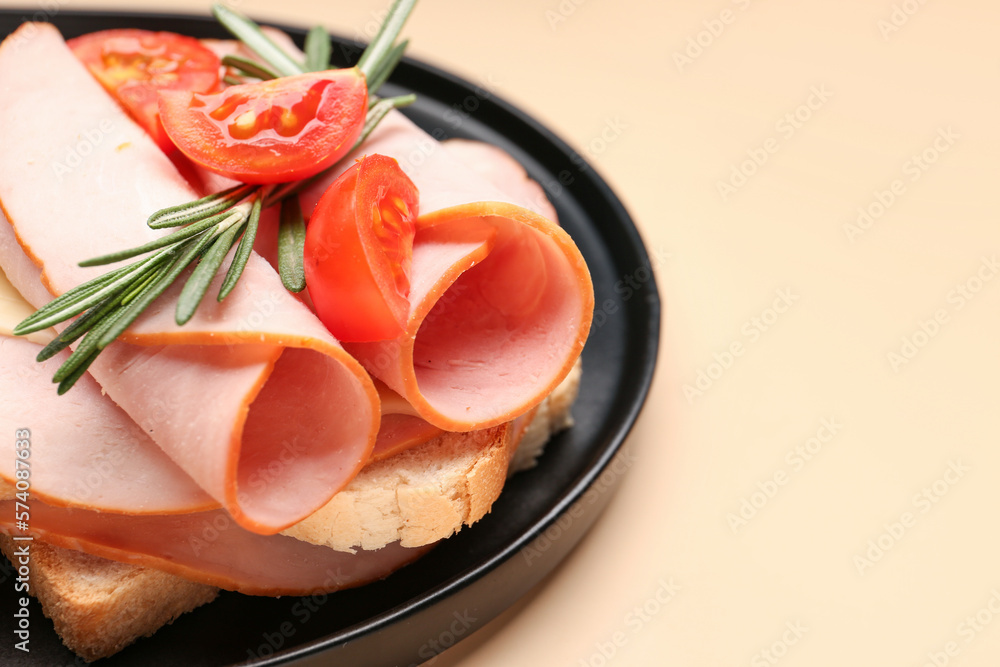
[
  {"x": 430, "y": 492},
  {"x": 99, "y": 606}
]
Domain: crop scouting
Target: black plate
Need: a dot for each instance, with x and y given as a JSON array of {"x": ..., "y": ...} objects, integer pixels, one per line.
[{"x": 542, "y": 513}]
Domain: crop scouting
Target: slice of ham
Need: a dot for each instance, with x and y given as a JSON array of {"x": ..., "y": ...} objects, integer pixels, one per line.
[
  {"x": 263, "y": 408},
  {"x": 85, "y": 451},
  {"x": 501, "y": 300},
  {"x": 499, "y": 167},
  {"x": 209, "y": 548}
]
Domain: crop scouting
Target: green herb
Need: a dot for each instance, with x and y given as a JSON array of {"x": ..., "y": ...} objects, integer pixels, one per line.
[
  {"x": 317, "y": 49},
  {"x": 291, "y": 241},
  {"x": 248, "y": 67},
  {"x": 250, "y": 34},
  {"x": 210, "y": 227}
]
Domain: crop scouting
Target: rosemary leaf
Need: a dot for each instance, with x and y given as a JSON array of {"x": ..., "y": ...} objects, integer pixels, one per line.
[
  {"x": 187, "y": 253},
  {"x": 78, "y": 328},
  {"x": 317, "y": 49},
  {"x": 249, "y": 67},
  {"x": 385, "y": 68},
  {"x": 386, "y": 36},
  {"x": 86, "y": 351},
  {"x": 194, "y": 229},
  {"x": 242, "y": 250},
  {"x": 250, "y": 34},
  {"x": 95, "y": 315},
  {"x": 89, "y": 348},
  {"x": 70, "y": 379},
  {"x": 291, "y": 244},
  {"x": 82, "y": 297},
  {"x": 203, "y": 274},
  {"x": 175, "y": 216},
  {"x": 231, "y": 80},
  {"x": 380, "y": 110}
]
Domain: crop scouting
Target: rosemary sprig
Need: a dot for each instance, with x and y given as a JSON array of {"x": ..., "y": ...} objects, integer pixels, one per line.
[
  {"x": 291, "y": 242},
  {"x": 317, "y": 49},
  {"x": 250, "y": 34},
  {"x": 249, "y": 67},
  {"x": 242, "y": 250},
  {"x": 210, "y": 227},
  {"x": 386, "y": 36}
]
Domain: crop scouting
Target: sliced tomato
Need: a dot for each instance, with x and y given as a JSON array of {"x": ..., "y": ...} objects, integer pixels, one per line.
[
  {"x": 272, "y": 131},
  {"x": 359, "y": 248},
  {"x": 133, "y": 65}
]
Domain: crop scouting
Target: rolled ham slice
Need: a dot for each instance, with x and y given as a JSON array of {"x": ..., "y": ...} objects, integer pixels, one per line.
[
  {"x": 209, "y": 548},
  {"x": 258, "y": 403},
  {"x": 501, "y": 300},
  {"x": 85, "y": 451}
]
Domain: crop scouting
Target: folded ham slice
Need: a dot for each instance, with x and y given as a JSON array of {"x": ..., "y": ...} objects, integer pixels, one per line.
[
  {"x": 85, "y": 450},
  {"x": 259, "y": 404},
  {"x": 501, "y": 300},
  {"x": 209, "y": 548}
]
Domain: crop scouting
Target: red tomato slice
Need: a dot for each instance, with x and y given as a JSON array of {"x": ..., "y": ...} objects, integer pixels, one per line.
[
  {"x": 358, "y": 251},
  {"x": 272, "y": 131},
  {"x": 133, "y": 65}
]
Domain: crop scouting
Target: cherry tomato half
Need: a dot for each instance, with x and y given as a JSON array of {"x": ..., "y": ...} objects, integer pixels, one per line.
[
  {"x": 359, "y": 248},
  {"x": 272, "y": 131},
  {"x": 133, "y": 65}
]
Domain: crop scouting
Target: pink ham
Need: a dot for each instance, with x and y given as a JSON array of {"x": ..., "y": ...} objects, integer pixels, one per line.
[
  {"x": 208, "y": 547},
  {"x": 263, "y": 408},
  {"x": 501, "y": 299},
  {"x": 501, "y": 169},
  {"x": 84, "y": 450}
]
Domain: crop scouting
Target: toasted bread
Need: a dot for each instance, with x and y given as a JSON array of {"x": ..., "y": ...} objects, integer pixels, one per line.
[
  {"x": 99, "y": 606},
  {"x": 417, "y": 497}
]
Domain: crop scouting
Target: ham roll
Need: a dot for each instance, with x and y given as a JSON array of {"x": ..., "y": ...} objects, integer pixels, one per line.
[
  {"x": 501, "y": 299},
  {"x": 257, "y": 403}
]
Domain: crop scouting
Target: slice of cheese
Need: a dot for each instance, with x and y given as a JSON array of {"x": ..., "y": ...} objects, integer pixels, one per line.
[{"x": 13, "y": 309}]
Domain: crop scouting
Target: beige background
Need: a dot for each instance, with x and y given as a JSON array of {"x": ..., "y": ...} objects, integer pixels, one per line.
[{"x": 809, "y": 111}]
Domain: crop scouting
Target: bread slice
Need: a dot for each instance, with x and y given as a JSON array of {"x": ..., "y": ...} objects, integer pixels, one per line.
[
  {"x": 99, "y": 606},
  {"x": 428, "y": 493}
]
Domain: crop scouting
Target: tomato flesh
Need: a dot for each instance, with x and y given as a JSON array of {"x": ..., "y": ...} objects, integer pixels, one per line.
[
  {"x": 270, "y": 131},
  {"x": 359, "y": 250},
  {"x": 133, "y": 65}
]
